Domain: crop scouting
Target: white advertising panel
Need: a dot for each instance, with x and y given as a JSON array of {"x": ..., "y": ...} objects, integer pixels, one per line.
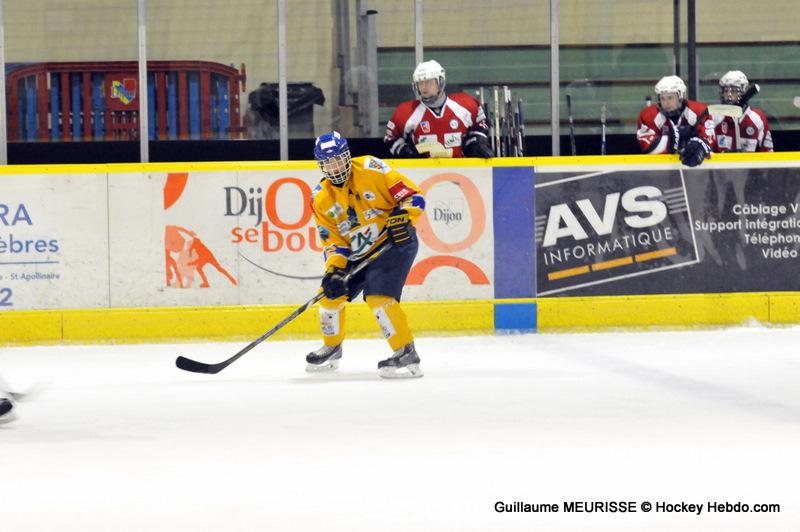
[
  {"x": 167, "y": 242},
  {"x": 278, "y": 244},
  {"x": 53, "y": 241},
  {"x": 456, "y": 254},
  {"x": 213, "y": 238},
  {"x": 205, "y": 238},
  {"x": 248, "y": 237}
]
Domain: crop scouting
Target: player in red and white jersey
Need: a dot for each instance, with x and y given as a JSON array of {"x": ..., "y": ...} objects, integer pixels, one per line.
[
  {"x": 455, "y": 121},
  {"x": 748, "y": 133},
  {"x": 676, "y": 125}
]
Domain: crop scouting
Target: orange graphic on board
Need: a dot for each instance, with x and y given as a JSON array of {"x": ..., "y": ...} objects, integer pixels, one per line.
[
  {"x": 421, "y": 269},
  {"x": 201, "y": 256},
  {"x": 185, "y": 253}
]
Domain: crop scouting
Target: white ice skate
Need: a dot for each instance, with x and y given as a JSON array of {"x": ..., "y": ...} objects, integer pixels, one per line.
[
  {"x": 403, "y": 364},
  {"x": 326, "y": 358}
]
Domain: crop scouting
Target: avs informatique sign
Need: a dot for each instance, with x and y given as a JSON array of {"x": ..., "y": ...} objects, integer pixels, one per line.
[
  {"x": 597, "y": 227},
  {"x": 667, "y": 231}
]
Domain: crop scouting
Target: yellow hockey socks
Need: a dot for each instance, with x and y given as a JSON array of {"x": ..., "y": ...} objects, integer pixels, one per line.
[
  {"x": 331, "y": 320},
  {"x": 391, "y": 319}
]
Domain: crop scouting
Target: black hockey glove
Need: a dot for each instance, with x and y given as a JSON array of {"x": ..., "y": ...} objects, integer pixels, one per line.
[
  {"x": 477, "y": 146},
  {"x": 397, "y": 227},
  {"x": 402, "y": 148},
  {"x": 685, "y": 133},
  {"x": 695, "y": 151},
  {"x": 407, "y": 150},
  {"x": 334, "y": 284}
]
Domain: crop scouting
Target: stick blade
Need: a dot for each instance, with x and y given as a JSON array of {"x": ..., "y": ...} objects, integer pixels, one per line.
[
  {"x": 187, "y": 364},
  {"x": 733, "y": 111},
  {"x": 29, "y": 393},
  {"x": 435, "y": 149}
]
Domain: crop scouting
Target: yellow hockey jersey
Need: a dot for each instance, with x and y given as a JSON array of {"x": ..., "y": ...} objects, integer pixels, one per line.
[{"x": 351, "y": 218}]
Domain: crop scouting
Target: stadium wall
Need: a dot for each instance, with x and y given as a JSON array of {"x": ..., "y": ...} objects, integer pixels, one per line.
[{"x": 104, "y": 253}]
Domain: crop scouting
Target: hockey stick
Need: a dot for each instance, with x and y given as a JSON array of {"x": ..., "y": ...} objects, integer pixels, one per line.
[
  {"x": 22, "y": 395},
  {"x": 503, "y": 126},
  {"x": 521, "y": 128},
  {"x": 194, "y": 366},
  {"x": 489, "y": 121},
  {"x": 751, "y": 91},
  {"x": 571, "y": 126},
  {"x": 435, "y": 149},
  {"x": 486, "y": 115},
  {"x": 603, "y": 130},
  {"x": 735, "y": 111},
  {"x": 498, "y": 145},
  {"x": 509, "y": 122},
  {"x": 721, "y": 109},
  {"x": 29, "y": 393}
]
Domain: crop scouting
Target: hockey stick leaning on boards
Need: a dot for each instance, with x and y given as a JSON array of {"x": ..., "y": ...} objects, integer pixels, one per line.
[
  {"x": 571, "y": 126},
  {"x": 194, "y": 366},
  {"x": 734, "y": 111},
  {"x": 737, "y": 110}
]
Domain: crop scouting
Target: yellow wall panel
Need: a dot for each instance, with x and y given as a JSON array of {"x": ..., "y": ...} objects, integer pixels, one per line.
[
  {"x": 24, "y": 327},
  {"x": 691, "y": 310}
]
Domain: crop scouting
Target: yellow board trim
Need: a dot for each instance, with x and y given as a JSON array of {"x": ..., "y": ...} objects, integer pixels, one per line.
[
  {"x": 656, "y": 311},
  {"x": 639, "y": 159},
  {"x": 555, "y": 314},
  {"x": 227, "y": 323}
]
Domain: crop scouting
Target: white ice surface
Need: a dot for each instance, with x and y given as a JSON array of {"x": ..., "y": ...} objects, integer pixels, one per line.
[{"x": 121, "y": 440}]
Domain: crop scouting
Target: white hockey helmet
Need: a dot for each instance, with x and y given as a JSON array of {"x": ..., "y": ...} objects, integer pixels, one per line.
[
  {"x": 732, "y": 87},
  {"x": 425, "y": 71},
  {"x": 671, "y": 85}
]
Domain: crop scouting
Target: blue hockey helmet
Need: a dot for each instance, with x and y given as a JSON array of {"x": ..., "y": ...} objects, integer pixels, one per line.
[{"x": 333, "y": 156}]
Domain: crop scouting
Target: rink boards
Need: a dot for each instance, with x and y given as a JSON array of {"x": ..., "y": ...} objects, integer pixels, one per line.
[{"x": 226, "y": 250}]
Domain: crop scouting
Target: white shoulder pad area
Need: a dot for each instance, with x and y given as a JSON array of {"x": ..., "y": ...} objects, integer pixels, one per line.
[{"x": 373, "y": 163}]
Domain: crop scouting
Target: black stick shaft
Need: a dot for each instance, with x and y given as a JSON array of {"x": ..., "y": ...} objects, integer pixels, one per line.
[
  {"x": 603, "y": 130},
  {"x": 194, "y": 366},
  {"x": 752, "y": 90},
  {"x": 571, "y": 126},
  {"x": 521, "y": 130}
]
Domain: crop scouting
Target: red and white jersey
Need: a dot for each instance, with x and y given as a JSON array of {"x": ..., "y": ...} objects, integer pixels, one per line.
[
  {"x": 414, "y": 122},
  {"x": 748, "y": 133},
  {"x": 659, "y": 134}
]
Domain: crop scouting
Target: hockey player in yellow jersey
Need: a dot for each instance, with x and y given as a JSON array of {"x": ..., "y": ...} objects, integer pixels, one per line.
[{"x": 359, "y": 205}]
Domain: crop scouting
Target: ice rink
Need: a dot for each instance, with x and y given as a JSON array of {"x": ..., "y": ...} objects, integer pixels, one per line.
[{"x": 121, "y": 440}]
